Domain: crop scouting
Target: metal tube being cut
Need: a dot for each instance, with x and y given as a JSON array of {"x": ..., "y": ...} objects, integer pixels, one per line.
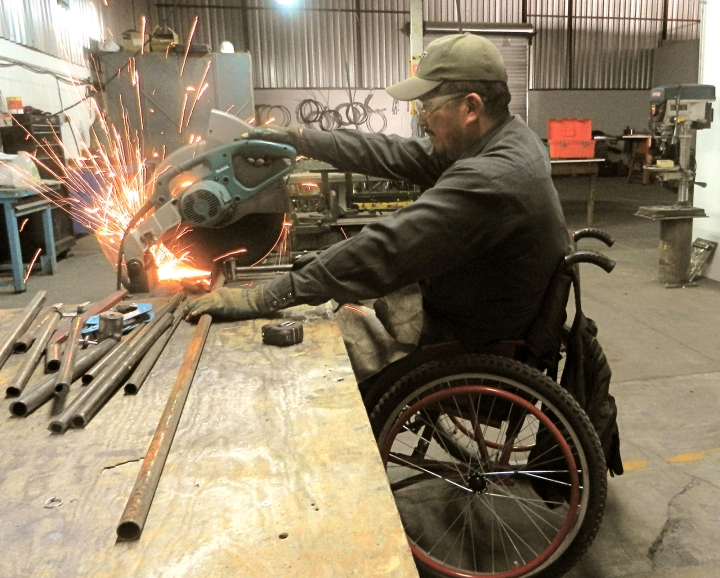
[
  {"x": 138, "y": 377},
  {"x": 136, "y": 511},
  {"x": 33, "y": 356},
  {"x": 104, "y": 388},
  {"x": 45, "y": 391},
  {"x": 19, "y": 326},
  {"x": 67, "y": 365}
]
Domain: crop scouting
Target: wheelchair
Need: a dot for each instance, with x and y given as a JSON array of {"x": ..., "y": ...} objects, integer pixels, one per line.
[{"x": 495, "y": 467}]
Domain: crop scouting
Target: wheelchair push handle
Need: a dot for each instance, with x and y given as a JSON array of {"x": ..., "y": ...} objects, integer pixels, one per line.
[
  {"x": 593, "y": 233},
  {"x": 592, "y": 257}
]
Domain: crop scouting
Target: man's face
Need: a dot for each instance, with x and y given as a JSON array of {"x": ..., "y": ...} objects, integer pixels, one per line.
[{"x": 440, "y": 118}]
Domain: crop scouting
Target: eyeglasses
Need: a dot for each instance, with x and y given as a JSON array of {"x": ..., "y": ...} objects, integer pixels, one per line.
[{"x": 425, "y": 109}]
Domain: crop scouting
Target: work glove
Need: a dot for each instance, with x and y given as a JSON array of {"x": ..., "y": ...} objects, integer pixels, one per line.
[
  {"x": 288, "y": 135},
  {"x": 233, "y": 304}
]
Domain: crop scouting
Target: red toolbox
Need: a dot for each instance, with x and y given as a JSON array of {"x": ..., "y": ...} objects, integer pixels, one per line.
[{"x": 570, "y": 138}]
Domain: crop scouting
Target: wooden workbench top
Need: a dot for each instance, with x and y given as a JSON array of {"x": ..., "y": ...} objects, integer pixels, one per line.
[{"x": 272, "y": 441}]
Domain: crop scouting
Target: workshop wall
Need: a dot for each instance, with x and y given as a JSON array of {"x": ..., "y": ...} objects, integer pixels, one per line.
[
  {"x": 708, "y": 140},
  {"x": 610, "y": 110},
  {"x": 44, "y": 91}
]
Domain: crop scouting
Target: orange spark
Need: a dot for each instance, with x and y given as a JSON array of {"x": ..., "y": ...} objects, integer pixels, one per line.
[
  {"x": 355, "y": 309},
  {"x": 343, "y": 232},
  {"x": 30, "y": 266},
  {"x": 198, "y": 94},
  {"x": 187, "y": 46},
  {"x": 182, "y": 112},
  {"x": 142, "y": 35},
  {"x": 236, "y": 252},
  {"x": 270, "y": 120},
  {"x": 22, "y": 225},
  {"x": 229, "y": 109}
]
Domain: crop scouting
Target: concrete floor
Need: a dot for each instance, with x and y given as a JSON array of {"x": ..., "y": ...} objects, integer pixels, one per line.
[{"x": 663, "y": 515}]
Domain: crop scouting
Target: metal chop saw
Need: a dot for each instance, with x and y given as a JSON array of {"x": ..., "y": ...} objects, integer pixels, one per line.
[{"x": 210, "y": 203}]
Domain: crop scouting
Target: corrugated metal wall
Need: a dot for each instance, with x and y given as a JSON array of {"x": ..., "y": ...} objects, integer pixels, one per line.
[
  {"x": 48, "y": 27},
  {"x": 603, "y": 44}
]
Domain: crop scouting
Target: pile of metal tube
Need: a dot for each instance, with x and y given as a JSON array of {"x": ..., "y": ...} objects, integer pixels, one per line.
[{"x": 89, "y": 372}]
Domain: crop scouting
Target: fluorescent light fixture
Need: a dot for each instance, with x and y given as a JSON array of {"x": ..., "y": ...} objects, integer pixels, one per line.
[{"x": 286, "y": 3}]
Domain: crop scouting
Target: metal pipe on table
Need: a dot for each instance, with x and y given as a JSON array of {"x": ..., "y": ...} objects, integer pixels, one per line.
[
  {"x": 47, "y": 389},
  {"x": 33, "y": 356},
  {"x": 138, "y": 377},
  {"x": 25, "y": 341},
  {"x": 136, "y": 511},
  {"x": 53, "y": 357},
  {"x": 60, "y": 424},
  {"x": 19, "y": 326},
  {"x": 105, "y": 387},
  {"x": 67, "y": 365}
]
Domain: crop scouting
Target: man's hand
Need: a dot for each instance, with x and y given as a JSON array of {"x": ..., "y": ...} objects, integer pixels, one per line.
[
  {"x": 233, "y": 304},
  {"x": 289, "y": 135}
]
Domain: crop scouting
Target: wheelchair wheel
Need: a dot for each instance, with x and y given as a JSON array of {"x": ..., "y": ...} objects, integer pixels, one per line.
[{"x": 521, "y": 492}]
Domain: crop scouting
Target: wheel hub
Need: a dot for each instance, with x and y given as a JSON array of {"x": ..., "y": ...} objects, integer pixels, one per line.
[{"x": 477, "y": 483}]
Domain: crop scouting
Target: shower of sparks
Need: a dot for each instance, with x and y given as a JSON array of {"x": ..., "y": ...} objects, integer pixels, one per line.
[
  {"x": 31, "y": 265},
  {"x": 187, "y": 46},
  {"x": 111, "y": 184}
]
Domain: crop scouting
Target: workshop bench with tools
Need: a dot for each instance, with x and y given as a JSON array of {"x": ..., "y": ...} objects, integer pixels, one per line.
[{"x": 274, "y": 470}]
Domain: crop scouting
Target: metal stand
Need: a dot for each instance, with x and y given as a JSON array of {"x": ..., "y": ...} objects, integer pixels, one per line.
[{"x": 676, "y": 247}]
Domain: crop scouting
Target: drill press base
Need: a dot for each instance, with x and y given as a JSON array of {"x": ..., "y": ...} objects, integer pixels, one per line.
[{"x": 675, "y": 242}]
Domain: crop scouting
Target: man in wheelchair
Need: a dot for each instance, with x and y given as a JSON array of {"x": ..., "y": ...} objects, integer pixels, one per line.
[{"x": 495, "y": 467}]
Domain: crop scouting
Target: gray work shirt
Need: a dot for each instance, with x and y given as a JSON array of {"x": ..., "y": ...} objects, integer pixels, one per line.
[{"x": 483, "y": 240}]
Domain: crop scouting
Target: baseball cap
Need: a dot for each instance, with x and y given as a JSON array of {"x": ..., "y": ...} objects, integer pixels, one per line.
[{"x": 455, "y": 57}]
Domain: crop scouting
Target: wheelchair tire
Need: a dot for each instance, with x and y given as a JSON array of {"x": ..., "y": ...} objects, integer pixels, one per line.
[{"x": 528, "y": 504}]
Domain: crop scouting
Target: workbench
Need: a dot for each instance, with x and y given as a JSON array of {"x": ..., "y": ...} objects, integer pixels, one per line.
[
  {"x": 273, "y": 472},
  {"x": 19, "y": 203},
  {"x": 575, "y": 167}
]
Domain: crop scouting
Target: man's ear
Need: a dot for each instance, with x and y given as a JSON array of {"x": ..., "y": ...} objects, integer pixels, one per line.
[{"x": 475, "y": 105}]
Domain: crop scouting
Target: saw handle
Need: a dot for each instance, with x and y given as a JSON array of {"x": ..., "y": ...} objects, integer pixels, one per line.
[{"x": 219, "y": 161}]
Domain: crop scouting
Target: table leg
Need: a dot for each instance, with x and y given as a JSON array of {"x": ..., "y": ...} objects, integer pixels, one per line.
[
  {"x": 49, "y": 260},
  {"x": 591, "y": 200},
  {"x": 15, "y": 252}
]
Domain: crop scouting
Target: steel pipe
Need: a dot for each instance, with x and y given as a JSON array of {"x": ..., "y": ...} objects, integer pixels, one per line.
[
  {"x": 138, "y": 377},
  {"x": 48, "y": 388},
  {"x": 25, "y": 341},
  {"x": 33, "y": 356},
  {"x": 105, "y": 387},
  {"x": 67, "y": 365},
  {"x": 136, "y": 511},
  {"x": 53, "y": 357},
  {"x": 19, "y": 326}
]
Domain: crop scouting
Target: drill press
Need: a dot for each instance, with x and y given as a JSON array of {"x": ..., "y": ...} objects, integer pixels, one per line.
[{"x": 675, "y": 111}]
